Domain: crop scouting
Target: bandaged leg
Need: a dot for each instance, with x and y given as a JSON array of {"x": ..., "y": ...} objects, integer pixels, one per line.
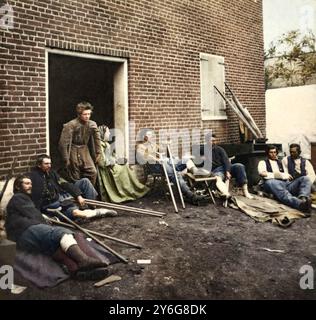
[
  {"x": 190, "y": 165},
  {"x": 89, "y": 213},
  {"x": 246, "y": 192},
  {"x": 67, "y": 241},
  {"x": 222, "y": 187},
  {"x": 197, "y": 171}
]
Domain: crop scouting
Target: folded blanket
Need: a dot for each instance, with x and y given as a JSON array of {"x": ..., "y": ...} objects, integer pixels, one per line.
[
  {"x": 44, "y": 272},
  {"x": 265, "y": 209}
]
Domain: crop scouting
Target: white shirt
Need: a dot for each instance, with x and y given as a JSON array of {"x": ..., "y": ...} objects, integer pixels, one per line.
[
  {"x": 310, "y": 173},
  {"x": 276, "y": 174}
]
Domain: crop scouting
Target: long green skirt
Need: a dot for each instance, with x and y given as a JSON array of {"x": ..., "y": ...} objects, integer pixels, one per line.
[{"x": 119, "y": 184}]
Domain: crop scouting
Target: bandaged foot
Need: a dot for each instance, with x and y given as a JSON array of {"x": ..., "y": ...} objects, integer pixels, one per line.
[
  {"x": 101, "y": 212},
  {"x": 199, "y": 172},
  {"x": 246, "y": 192},
  {"x": 105, "y": 212},
  {"x": 222, "y": 187}
]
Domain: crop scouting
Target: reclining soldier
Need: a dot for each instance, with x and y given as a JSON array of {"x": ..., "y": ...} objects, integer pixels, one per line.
[
  {"x": 50, "y": 192},
  {"x": 26, "y": 226}
]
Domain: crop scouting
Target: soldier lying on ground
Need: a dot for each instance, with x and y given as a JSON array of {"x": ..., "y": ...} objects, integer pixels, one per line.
[{"x": 26, "y": 226}]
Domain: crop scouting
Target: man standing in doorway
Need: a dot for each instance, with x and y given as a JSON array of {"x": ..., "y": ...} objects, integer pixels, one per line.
[{"x": 74, "y": 142}]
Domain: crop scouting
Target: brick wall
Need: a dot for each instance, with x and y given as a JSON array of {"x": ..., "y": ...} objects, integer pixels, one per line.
[{"x": 162, "y": 40}]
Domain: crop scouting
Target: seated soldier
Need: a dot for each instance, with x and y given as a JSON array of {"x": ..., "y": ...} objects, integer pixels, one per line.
[
  {"x": 51, "y": 192},
  {"x": 26, "y": 226},
  {"x": 298, "y": 166},
  {"x": 147, "y": 152},
  {"x": 276, "y": 180},
  {"x": 216, "y": 161},
  {"x": 117, "y": 181}
]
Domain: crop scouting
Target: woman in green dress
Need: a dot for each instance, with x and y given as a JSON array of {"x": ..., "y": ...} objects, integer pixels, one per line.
[{"x": 117, "y": 182}]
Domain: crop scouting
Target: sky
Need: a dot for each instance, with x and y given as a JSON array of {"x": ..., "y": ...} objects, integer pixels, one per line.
[{"x": 281, "y": 16}]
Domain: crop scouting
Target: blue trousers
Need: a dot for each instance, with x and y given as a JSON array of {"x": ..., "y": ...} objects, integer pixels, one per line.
[
  {"x": 67, "y": 205},
  {"x": 42, "y": 238},
  {"x": 237, "y": 171},
  {"x": 87, "y": 188},
  {"x": 288, "y": 192}
]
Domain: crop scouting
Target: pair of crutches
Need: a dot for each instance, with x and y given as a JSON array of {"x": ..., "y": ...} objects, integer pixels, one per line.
[{"x": 162, "y": 161}]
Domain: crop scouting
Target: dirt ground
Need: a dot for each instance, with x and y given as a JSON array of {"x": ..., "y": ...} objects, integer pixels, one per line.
[{"x": 207, "y": 252}]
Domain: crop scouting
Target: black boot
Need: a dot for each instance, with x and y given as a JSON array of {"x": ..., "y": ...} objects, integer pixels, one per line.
[
  {"x": 199, "y": 200},
  {"x": 195, "y": 199},
  {"x": 306, "y": 206},
  {"x": 84, "y": 262}
]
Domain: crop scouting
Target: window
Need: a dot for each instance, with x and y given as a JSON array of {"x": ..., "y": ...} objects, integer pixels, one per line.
[{"x": 212, "y": 72}]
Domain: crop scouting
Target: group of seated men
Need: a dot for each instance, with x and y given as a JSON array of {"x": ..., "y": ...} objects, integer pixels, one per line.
[
  {"x": 43, "y": 191},
  {"x": 213, "y": 161},
  {"x": 291, "y": 180}
]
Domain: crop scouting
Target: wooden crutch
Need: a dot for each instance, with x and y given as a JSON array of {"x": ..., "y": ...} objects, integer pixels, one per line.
[
  {"x": 102, "y": 235},
  {"x": 176, "y": 176},
  {"x": 169, "y": 185},
  {"x": 115, "y": 206}
]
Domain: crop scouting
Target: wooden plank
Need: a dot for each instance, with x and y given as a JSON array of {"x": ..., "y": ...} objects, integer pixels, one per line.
[
  {"x": 110, "y": 279},
  {"x": 238, "y": 113},
  {"x": 191, "y": 176},
  {"x": 245, "y": 112}
]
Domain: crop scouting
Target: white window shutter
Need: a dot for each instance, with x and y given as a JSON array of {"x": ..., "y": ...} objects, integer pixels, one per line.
[{"x": 212, "y": 72}]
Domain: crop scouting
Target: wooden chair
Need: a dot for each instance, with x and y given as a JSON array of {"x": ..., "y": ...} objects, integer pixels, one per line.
[{"x": 164, "y": 183}]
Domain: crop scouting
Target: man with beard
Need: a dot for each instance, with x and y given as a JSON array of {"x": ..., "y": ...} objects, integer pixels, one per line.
[{"x": 26, "y": 226}]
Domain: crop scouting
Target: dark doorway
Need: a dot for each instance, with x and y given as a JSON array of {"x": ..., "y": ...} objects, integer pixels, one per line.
[{"x": 74, "y": 79}]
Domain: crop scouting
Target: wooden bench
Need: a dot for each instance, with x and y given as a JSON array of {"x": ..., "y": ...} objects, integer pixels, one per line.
[{"x": 193, "y": 180}]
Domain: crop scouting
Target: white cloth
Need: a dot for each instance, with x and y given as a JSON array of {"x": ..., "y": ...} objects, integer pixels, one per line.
[
  {"x": 275, "y": 174},
  {"x": 67, "y": 241},
  {"x": 308, "y": 167}
]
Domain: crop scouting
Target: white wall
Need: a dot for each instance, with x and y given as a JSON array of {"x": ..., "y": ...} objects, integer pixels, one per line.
[
  {"x": 291, "y": 117},
  {"x": 282, "y": 16}
]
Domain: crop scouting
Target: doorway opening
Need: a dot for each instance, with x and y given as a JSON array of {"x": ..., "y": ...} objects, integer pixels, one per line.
[{"x": 74, "y": 77}]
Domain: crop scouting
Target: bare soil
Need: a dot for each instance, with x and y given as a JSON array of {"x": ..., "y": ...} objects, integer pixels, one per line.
[{"x": 207, "y": 252}]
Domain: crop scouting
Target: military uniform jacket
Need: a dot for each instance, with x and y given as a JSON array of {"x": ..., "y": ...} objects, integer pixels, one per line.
[{"x": 76, "y": 133}]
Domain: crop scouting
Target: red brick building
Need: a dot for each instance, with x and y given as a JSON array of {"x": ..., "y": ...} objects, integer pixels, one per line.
[{"x": 148, "y": 62}]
